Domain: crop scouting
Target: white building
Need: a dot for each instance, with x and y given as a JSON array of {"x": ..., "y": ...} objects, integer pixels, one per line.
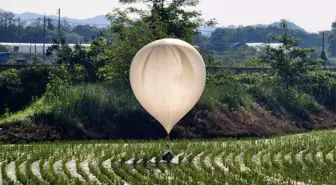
[
  {"x": 259, "y": 45},
  {"x": 31, "y": 47}
]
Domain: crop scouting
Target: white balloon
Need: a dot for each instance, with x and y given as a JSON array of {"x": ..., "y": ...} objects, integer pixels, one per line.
[{"x": 168, "y": 77}]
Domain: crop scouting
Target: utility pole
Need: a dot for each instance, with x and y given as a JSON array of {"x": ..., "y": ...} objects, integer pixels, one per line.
[
  {"x": 323, "y": 41},
  {"x": 323, "y": 55},
  {"x": 44, "y": 32},
  {"x": 59, "y": 24},
  {"x": 326, "y": 61}
]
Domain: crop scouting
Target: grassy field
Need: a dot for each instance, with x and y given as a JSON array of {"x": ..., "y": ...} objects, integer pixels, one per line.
[{"x": 294, "y": 159}]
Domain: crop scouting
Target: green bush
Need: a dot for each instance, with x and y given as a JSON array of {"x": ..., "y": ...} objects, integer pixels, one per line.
[
  {"x": 90, "y": 101},
  {"x": 322, "y": 87},
  {"x": 19, "y": 86},
  {"x": 224, "y": 92},
  {"x": 274, "y": 95}
]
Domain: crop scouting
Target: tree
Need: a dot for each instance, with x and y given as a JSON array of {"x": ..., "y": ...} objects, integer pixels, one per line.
[
  {"x": 170, "y": 19},
  {"x": 162, "y": 19},
  {"x": 3, "y": 48},
  {"x": 78, "y": 56},
  {"x": 332, "y": 40},
  {"x": 289, "y": 62},
  {"x": 62, "y": 50},
  {"x": 50, "y": 25}
]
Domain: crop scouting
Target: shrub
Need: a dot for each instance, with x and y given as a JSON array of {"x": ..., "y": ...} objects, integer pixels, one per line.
[
  {"x": 19, "y": 86},
  {"x": 93, "y": 102},
  {"x": 224, "y": 92},
  {"x": 273, "y": 94}
]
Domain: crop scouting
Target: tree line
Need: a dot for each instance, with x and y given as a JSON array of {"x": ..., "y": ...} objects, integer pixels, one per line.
[{"x": 14, "y": 29}]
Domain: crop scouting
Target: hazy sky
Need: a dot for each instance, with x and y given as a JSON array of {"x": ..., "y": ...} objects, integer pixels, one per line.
[{"x": 312, "y": 15}]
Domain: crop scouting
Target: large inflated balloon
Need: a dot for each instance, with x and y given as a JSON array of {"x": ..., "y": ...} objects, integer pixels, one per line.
[{"x": 168, "y": 77}]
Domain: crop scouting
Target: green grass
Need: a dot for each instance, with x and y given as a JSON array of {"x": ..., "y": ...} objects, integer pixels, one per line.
[
  {"x": 36, "y": 107},
  {"x": 101, "y": 100},
  {"x": 106, "y": 161}
]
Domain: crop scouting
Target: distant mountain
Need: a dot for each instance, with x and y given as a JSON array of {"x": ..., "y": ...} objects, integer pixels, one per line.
[
  {"x": 30, "y": 17},
  {"x": 291, "y": 25},
  {"x": 206, "y": 31},
  {"x": 101, "y": 20}
]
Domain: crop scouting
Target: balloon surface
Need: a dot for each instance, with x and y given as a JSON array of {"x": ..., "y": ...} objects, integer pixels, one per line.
[{"x": 168, "y": 77}]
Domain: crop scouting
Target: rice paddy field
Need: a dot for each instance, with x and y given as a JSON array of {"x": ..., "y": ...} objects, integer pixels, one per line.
[{"x": 294, "y": 159}]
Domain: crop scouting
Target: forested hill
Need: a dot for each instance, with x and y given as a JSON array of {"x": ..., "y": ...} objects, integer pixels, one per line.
[
  {"x": 14, "y": 29},
  {"x": 222, "y": 38}
]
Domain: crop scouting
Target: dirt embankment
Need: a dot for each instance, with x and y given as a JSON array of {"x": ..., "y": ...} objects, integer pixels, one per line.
[{"x": 252, "y": 122}]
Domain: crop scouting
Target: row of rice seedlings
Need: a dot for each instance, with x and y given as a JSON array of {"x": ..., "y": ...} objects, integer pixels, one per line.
[
  {"x": 107, "y": 175},
  {"x": 121, "y": 172},
  {"x": 313, "y": 169},
  {"x": 80, "y": 171},
  {"x": 318, "y": 169},
  {"x": 60, "y": 179},
  {"x": 223, "y": 176},
  {"x": 243, "y": 170},
  {"x": 190, "y": 170},
  {"x": 5, "y": 178},
  {"x": 44, "y": 169},
  {"x": 302, "y": 167},
  {"x": 95, "y": 169},
  {"x": 179, "y": 176},
  {"x": 260, "y": 160},
  {"x": 276, "y": 170},
  {"x": 67, "y": 172},
  {"x": 84, "y": 174},
  {"x": 208, "y": 171},
  {"x": 135, "y": 156},
  {"x": 230, "y": 176},
  {"x": 209, "y": 165},
  {"x": 205, "y": 167},
  {"x": 29, "y": 171},
  {"x": 252, "y": 171},
  {"x": 295, "y": 149},
  {"x": 140, "y": 164},
  {"x": 176, "y": 177},
  {"x": 20, "y": 176}
]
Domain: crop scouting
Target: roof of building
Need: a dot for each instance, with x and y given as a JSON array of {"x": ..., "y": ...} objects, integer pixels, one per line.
[
  {"x": 262, "y": 44},
  {"x": 30, "y": 47}
]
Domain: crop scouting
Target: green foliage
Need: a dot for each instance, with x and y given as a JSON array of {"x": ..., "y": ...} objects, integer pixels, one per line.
[
  {"x": 332, "y": 40},
  {"x": 79, "y": 57},
  {"x": 163, "y": 19},
  {"x": 91, "y": 102},
  {"x": 19, "y": 86},
  {"x": 254, "y": 61},
  {"x": 170, "y": 18},
  {"x": 36, "y": 60},
  {"x": 3, "y": 48},
  {"x": 322, "y": 87},
  {"x": 288, "y": 61},
  {"x": 16, "y": 30},
  {"x": 323, "y": 56},
  {"x": 275, "y": 96},
  {"x": 225, "y": 92},
  {"x": 236, "y": 56},
  {"x": 222, "y": 38}
]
